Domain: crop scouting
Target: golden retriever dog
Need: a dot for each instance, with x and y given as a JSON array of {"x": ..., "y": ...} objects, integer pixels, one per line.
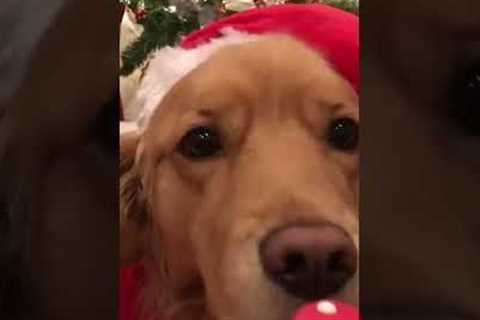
[
  {"x": 420, "y": 160},
  {"x": 240, "y": 197}
]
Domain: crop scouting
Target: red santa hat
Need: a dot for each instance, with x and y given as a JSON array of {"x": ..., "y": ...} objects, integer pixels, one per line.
[{"x": 330, "y": 31}]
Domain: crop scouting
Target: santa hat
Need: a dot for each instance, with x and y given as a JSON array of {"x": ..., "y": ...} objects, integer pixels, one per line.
[{"x": 330, "y": 31}]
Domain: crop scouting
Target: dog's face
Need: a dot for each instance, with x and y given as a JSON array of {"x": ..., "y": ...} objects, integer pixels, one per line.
[
  {"x": 248, "y": 176},
  {"x": 421, "y": 160}
]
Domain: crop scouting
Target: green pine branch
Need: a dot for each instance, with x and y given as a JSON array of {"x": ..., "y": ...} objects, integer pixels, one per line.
[
  {"x": 132, "y": 4},
  {"x": 161, "y": 28},
  {"x": 346, "y": 5}
]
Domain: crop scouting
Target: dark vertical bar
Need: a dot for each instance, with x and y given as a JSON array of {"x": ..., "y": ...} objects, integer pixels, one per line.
[
  {"x": 420, "y": 166},
  {"x": 58, "y": 159}
]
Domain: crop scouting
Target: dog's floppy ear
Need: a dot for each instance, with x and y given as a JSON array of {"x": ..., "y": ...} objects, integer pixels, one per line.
[{"x": 133, "y": 213}]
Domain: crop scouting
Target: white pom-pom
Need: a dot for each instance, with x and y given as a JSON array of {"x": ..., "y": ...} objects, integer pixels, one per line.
[
  {"x": 168, "y": 65},
  {"x": 326, "y": 307}
]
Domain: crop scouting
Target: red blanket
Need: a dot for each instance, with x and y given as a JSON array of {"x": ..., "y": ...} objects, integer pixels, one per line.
[{"x": 131, "y": 279}]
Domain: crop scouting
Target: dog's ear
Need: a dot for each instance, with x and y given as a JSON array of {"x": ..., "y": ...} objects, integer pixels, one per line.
[{"x": 133, "y": 213}]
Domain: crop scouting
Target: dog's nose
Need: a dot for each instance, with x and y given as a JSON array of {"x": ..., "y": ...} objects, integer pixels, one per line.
[{"x": 309, "y": 262}]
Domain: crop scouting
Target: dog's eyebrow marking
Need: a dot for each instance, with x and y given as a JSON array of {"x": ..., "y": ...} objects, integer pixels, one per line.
[
  {"x": 341, "y": 109},
  {"x": 337, "y": 107},
  {"x": 205, "y": 112},
  {"x": 332, "y": 108}
]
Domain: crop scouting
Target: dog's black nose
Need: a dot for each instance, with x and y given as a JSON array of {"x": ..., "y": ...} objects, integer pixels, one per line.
[{"x": 309, "y": 262}]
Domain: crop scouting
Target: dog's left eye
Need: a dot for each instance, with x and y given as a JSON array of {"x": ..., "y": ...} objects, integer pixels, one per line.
[
  {"x": 343, "y": 134},
  {"x": 200, "y": 143}
]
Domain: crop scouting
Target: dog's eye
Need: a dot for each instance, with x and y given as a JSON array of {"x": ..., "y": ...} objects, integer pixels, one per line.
[
  {"x": 343, "y": 134},
  {"x": 465, "y": 105},
  {"x": 200, "y": 143}
]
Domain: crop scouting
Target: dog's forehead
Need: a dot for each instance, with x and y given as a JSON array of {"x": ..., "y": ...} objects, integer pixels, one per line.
[
  {"x": 275, "y": 67},
  {"x": 276, "y": 75}
]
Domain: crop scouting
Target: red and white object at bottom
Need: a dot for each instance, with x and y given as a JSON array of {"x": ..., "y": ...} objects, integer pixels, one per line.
[{"x": 327, "y": 310}]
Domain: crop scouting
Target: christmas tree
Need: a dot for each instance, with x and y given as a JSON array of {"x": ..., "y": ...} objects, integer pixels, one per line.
[{"x": 163, "y": 22}]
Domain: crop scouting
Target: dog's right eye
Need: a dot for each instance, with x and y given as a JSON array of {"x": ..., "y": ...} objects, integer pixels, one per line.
[
  {"x": 200, "y": 143},
  {"x": 343, "y": 134}
]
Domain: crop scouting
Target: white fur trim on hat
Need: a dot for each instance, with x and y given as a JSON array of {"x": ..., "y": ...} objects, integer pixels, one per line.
[{"x": 169, "y": 65}]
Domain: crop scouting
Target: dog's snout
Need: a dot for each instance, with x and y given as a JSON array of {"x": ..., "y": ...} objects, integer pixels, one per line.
[{"x": 309, "y": 262}]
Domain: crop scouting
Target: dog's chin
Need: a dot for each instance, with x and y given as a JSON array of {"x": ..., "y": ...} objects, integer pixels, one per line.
[
  {"x": 258, "y": 311},
  {"x": 252, "y": 299}
]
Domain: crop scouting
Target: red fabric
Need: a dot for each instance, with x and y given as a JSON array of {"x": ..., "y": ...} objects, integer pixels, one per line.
[
  {"x": 331, "y": 31},
  {"x": 131, "y": 279},
  {"x": 310, "y": 312}
]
